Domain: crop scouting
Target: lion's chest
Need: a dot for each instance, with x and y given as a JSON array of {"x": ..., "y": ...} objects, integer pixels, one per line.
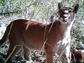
[
  {"x": 64, "y": 43},
  {"x": 61, "y": 45}
]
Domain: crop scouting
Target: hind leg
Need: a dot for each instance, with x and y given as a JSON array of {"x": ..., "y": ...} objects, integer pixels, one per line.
[
  {"x": 11, "y": 48},
  {"x": 26, "y": 53}
]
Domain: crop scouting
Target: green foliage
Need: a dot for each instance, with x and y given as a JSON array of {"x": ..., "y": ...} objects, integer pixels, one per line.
[{"x": 77, "y": 31}]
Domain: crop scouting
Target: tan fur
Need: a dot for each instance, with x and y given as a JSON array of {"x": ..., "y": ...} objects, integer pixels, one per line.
[{"x": 33, "y": 38}]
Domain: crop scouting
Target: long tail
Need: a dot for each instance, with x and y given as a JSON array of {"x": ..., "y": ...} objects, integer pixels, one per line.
[{"x": 4, "y": 38}]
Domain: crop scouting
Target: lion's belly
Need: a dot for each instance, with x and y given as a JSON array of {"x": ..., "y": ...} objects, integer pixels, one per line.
[{"x": 33, "y": 45}]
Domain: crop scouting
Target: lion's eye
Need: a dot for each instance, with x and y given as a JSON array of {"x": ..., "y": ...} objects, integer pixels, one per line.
[
  {"x": 70, "y": 11},
  {"x": 61, "y": 11}
]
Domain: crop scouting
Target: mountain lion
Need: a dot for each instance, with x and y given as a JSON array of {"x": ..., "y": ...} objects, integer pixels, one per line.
[{"x": 57, "y": 40}]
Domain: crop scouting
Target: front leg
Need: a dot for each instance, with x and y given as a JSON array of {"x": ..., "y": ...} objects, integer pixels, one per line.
[
  {"x": 49, "y": 54},
  {"x": 49, "y": 58},
  {"x": 66, "y": 55}
]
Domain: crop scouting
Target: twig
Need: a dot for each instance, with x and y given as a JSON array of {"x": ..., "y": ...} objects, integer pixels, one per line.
[
  {"x": 39, "y": 10},
  {"x": 30, "y": 19},
  {"x": 31, "y": 4},
  {"x": 25, "y": 9}
]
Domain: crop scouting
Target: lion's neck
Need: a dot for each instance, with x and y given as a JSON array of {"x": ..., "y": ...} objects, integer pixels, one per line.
[{"x": 65, "y": 29}]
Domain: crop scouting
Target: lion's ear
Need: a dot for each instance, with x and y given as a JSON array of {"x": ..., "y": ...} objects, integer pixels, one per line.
[
  {"x": 60, "y": 6},
  {"x": 75, "y": 9}
]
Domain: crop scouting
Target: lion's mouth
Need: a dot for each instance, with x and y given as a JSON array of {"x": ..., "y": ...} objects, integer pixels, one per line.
[{"x": 64, "y": 19}]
